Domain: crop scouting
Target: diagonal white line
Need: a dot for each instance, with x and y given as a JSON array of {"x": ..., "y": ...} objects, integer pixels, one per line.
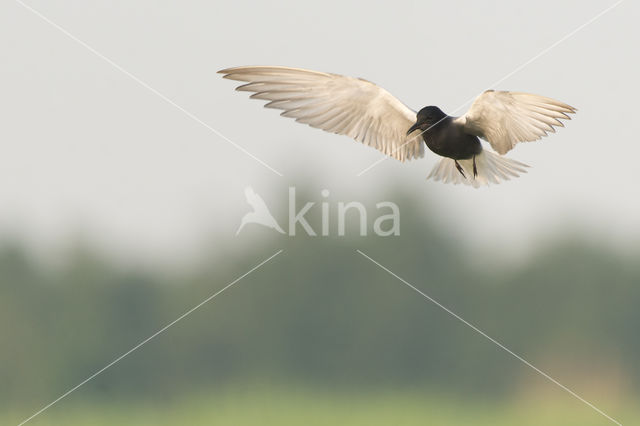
[
  {"x": 494, "y": 341},
  {"x": 145, "y": 85},
  {"x": 150, "y": 337},
  {"x": 497, "y": 82},
  {"x": 563, "y": 39}
]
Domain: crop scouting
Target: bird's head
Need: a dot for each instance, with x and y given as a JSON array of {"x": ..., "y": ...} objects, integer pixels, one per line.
[{"x": 427, "y": 117}]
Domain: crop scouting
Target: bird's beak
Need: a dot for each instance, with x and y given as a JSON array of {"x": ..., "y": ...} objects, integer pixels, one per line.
[{"x": 412, "y": 128}]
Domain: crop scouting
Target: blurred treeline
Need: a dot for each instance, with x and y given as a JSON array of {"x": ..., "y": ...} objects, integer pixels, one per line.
[{"x": 323, "y": 314}]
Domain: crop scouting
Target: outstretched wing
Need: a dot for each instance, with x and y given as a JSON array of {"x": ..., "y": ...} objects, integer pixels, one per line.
[
  {"x": 506, "y": 118},
  {"x": 335, "y": 103}
]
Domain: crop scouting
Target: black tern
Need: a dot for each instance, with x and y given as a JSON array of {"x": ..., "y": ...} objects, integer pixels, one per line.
[{"x": 369, "y": 114}]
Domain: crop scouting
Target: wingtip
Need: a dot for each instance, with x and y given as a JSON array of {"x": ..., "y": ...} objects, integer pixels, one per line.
[
  {"x": 227, "y": 71},
  {"x": 567, "y": 114},
  {"x": 570, "y": 109}
]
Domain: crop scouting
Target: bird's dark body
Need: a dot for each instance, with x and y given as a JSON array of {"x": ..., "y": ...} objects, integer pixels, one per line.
[
  {"x": 448, "y": 139},
  {"x": 444, "y": 136}
]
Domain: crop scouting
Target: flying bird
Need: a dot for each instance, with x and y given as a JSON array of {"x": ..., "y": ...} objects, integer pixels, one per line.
[
  {"x": 369, "y": 114},
  {"x": 260, "y": 214}
]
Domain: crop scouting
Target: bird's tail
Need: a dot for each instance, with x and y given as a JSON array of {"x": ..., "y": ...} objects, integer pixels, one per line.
[{"x": 490, "y": 168}]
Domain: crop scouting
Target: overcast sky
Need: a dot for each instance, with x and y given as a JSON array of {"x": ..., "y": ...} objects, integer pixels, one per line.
[{"x": 88, "y": 150}]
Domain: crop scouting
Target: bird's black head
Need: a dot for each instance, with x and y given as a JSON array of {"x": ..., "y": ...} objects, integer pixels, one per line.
[{"x": 427, "y": 117}]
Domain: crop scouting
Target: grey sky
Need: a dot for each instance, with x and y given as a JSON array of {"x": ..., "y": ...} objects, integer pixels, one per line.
[{"x": 87, "y": 149}]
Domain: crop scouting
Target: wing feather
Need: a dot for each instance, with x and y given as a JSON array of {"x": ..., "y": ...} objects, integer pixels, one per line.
[
  {"x": 339, "y": 104},
  {"x": 506, "y": 118}
]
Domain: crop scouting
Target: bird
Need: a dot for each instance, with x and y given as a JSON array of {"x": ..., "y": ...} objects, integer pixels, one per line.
[
  {"x": 360, "y": 109},
  {"x": 260, "y": 214}
]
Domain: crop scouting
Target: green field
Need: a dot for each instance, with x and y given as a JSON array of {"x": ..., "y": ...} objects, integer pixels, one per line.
[{"x": 262, "y": 405}]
